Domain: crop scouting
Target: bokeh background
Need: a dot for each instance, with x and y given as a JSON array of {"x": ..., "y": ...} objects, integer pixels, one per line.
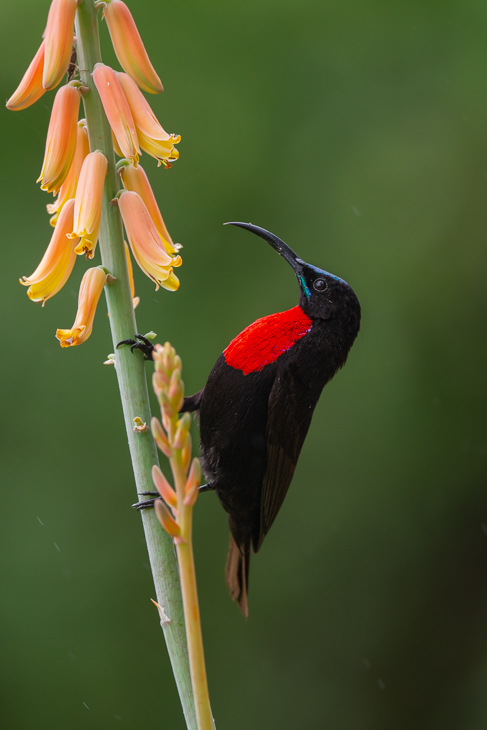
[{"x": 358, "y": 133}]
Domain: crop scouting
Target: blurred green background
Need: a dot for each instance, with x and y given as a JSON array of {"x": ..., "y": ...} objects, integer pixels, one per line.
[{"x": 358, "y": 133}]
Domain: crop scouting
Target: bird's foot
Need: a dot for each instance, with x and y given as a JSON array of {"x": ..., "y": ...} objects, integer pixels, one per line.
[
  {"x": 147, "y": 503},
  {"x": 141, "y": 343}
]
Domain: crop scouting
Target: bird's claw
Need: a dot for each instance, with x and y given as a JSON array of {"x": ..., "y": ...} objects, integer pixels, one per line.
[{"x": 140, "y": 343}]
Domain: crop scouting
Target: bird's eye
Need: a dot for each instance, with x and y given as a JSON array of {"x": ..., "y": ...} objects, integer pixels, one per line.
[{"x": 320, "y": 285}]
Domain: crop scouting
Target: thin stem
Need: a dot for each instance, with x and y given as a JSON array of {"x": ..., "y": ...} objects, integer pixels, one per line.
[
  {"x": 130, "y": 368},
  {"x": 190, "y": 601}
]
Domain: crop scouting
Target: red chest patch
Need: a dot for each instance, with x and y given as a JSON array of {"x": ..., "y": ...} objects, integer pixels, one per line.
[{"x": 263, "y": 341}]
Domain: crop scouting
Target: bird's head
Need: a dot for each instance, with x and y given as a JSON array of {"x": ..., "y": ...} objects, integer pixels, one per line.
[{"x": 323, "y": 295}]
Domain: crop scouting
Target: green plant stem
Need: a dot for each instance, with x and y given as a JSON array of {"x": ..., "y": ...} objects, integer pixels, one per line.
[{"x": 130, "y": 368}]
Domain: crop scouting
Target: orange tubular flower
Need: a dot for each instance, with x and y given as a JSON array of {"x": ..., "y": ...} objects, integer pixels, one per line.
[
  {"x": 129, "y": 48},
  {"x": 59, "y": 41},
  {"x": 153, "y": 139},
  {"x": 90, "y": 291},
  {"x": 135, "y": 179},
  {"x": 145, "y": 242},
  {"x": 61, "y": 138},
  {"x": 135, "y": 300},
  {"x": 68, "y": 188},
  {"x": 118, "y": 111},
  {"x": 87, "y": 207},
  {"x": 57, "y": 263},
  {"x": 30, "y": 88}
]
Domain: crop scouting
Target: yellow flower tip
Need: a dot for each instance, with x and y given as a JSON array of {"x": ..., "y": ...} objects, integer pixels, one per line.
[
  {"x": 118, "y": 112},
  {"x": 69, "y": 186},
  {"x": 90, "y": 291},
  {"x": 129, "y": 48},
  {"x": 57, "y": 262},
  {"x": 61, "y": 139},
  {"x": 136, "y": 302},
  {"x": 145, "y": 241},
  {"x": 58, "y": 41},
  {"x": 30, "y": 88},
  {"x": 136, "y": 180},
  {"x": 88, "y": 203}
]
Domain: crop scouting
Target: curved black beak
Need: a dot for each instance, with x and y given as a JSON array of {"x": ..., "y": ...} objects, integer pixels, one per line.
[{"x": 281, "y": 247}]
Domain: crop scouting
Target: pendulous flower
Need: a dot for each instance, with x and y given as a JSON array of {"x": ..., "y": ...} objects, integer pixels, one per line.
[
  {"x": 68, "y": 188},
  {"x": 61, "y": 138},
  {"x": 87, "y": 207},
  {"x": 30, "y": 88},
  {"x": 58, "y": 41},
  {"x": 58, "y": 261},
  {"x": 90, "y": 291},
  {"x": 135, "y": 179},
  {"x": 145, "y": 242},
  {"x": 129, "y": 48},
  {"x": 118, "y": 111},
  {"x": 153, "y": 139}
]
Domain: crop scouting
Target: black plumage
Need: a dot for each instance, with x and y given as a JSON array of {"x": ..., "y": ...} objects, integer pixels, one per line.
[{"x": 252, "y": 426}]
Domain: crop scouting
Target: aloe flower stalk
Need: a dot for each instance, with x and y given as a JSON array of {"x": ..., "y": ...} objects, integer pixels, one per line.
[
  {"x": 81, "y": 179},
  {"x": 175, "y": 508}
]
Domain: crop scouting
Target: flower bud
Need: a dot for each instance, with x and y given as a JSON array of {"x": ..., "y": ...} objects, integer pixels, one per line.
[
  {"x": 135, "y": 180},
  {"x": 163, "y": 487},
  {"x": 68, "y": 188},
  {"x": 118, "y": 111},
  {"x": 129, "y": 48},
  {"x": 30, "y": 88},
  {"x": 153, "y": 139},
  {"x": 61, "y": 139},
  {"x": 90, "y": 291},
  {"x": 160, "y": 438},
  {"x": 144, "y": 241},
  {"x": 87, "y": 207},
  {"x": 59, "y": 41},
  {"x": 168, "y": 522},
  {"x": 57, "y": 263}
]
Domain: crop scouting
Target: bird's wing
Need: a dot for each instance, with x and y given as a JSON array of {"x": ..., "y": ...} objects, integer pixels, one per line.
[{"x": 291, "y": 406}]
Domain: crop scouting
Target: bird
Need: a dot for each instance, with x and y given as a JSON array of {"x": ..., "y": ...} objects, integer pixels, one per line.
[{"x": 256, "y": 407}]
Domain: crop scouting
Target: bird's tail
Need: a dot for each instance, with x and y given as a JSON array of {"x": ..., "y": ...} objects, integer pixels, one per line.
[{"x": 237, "y": 573}]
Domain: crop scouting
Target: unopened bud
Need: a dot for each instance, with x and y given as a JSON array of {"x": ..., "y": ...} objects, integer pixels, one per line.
[
  {"x": 184, "y": 424},
  {"x": 163, "y": 487},
  {"x": 194, "y": 476},
  {"x": 168, "y": 522},
  {"x": 160, "y": 438},
  {"x": 166, "y": 405},
  {"x": 186, "y": 453}
]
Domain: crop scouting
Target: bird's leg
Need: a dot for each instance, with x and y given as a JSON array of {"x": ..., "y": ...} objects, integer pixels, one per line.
[
  {"x": 140, "y": 343},
  {"x": 146, "y": 504}
]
